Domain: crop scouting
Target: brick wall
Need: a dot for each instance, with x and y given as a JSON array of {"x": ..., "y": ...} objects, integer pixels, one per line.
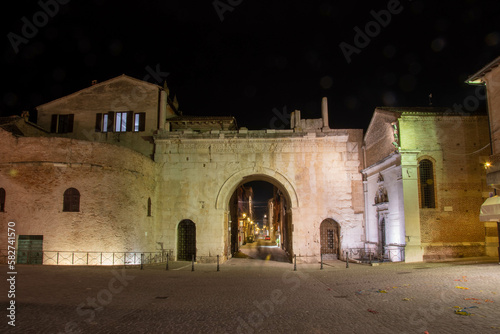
[
  {"x": 114, "y": 184},
  {"x": 457, "y": 146}
]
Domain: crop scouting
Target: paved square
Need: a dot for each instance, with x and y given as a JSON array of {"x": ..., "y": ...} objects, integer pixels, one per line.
[{"x": 252, "y": 296}]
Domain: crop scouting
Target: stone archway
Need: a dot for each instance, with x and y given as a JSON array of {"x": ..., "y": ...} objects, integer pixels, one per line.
[
  {"x": 330, "y": 239},
  {"x": 259, "y": 174}
]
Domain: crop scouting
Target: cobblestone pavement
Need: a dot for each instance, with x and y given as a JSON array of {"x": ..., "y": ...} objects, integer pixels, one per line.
[
  {"x": 264, "y": 250},
  {"x": 252, "y": 296}
]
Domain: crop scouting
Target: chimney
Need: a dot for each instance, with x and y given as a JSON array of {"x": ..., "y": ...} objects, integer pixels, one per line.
[
  {"x": 324, "y": 112},
  {"x": 94, "y": 82},
  {"x": 26, "y": 115}
]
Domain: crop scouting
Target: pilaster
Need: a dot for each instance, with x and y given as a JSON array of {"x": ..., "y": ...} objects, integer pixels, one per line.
[{"x": 413, "y": 251}]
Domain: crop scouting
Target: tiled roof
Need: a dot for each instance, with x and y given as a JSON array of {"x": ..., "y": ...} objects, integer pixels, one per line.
[{"x": 480, "y": 74}]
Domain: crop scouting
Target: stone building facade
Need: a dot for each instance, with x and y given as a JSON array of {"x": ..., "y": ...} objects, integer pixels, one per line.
[
  {"x": 116, "y": 167},
  {"x": 425, "y": 182},
  {"x": 318, "y": 173}
]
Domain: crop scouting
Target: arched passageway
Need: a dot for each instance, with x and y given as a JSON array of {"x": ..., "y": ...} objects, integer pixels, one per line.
[{"x": 260, "y": 219}]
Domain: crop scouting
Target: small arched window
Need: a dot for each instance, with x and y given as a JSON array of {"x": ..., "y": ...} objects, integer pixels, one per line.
[
  {"x": 149, "y": 207},
  {"x": 2, "y": 200},
  {"x": 427, "y": 195},
  {"x": 71, "y": 200}
]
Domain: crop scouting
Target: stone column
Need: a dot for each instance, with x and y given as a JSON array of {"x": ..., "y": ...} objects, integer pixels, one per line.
[
  {"x": 163, "y": 110},
  {"x": 324, "y": 112},
  {"x": 297, "y": 119},
  {"x": 365, "y": 196},
  {"x": 414, "y": 251}
]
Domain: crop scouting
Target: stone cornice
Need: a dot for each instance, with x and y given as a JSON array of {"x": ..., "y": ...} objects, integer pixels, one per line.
[{"x": 250, "y": 134}]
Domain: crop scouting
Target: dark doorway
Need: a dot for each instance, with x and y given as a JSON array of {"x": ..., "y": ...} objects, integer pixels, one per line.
[
  {"x": 186, "y": 240},
  {"x": 329, "y": 239},
  {"x": 30, "y": 249},
  {"x": 381, "y": 238}
]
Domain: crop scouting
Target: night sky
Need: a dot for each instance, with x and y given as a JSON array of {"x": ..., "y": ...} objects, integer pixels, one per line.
[{"x": 255, "y": 60}]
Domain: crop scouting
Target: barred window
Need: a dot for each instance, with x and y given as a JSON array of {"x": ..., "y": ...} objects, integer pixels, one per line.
[
  {"x": 427, "y": 195},
  {"x": 71, "y": 200}
]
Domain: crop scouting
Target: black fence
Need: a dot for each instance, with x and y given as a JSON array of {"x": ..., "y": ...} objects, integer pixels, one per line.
[
  {"x": 394, "y": 254},
  {"x": 88, "y": 258}
]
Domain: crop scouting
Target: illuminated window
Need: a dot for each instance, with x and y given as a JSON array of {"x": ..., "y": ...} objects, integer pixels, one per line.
[
  {"x": 71, "y": 201},
  {"x": 104, "y": 122},
  {"x": 427, "y": 196},
  {"x": 139, "y": 121},
  {"x": 2, "y": 200},
  {"x": 121, "y": 122}
]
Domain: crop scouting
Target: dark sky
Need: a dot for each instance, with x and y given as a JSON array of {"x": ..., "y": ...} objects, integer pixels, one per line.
[{"x": 262, "y": 61}]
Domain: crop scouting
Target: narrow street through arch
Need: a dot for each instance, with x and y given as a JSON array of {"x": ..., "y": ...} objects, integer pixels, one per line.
[
  {"x": 264, "y": 250},
  {"x": 260, "y": 220}
]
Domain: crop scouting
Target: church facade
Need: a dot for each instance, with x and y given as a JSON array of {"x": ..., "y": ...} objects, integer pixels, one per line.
[{"x": 424, "y": 182}]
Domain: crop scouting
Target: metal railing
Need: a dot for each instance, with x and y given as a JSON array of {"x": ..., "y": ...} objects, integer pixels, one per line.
[
  {"x": 393, "y": 254},
  {"x": 88, "y": 258}
]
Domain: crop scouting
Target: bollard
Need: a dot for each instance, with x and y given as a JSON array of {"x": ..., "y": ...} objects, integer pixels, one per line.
[
  {"x": 347, "y": 259},
  {"x": 192, "y": 262},
  {"x": 294, "y": 262},
  {"x": 321, "y": 256},
  {"x": 217, "y": 262},
  {"x": 142, "y": 261},
  {"x": 166, "y": 268},
  {"x": 370, "y": 258}
]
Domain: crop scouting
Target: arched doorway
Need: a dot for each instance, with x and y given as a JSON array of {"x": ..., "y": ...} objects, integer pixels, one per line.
[
  {"x": 227, "y": 200},
  {"x": 186, "y": 240},
  {"x": 330, "y": 239}
]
